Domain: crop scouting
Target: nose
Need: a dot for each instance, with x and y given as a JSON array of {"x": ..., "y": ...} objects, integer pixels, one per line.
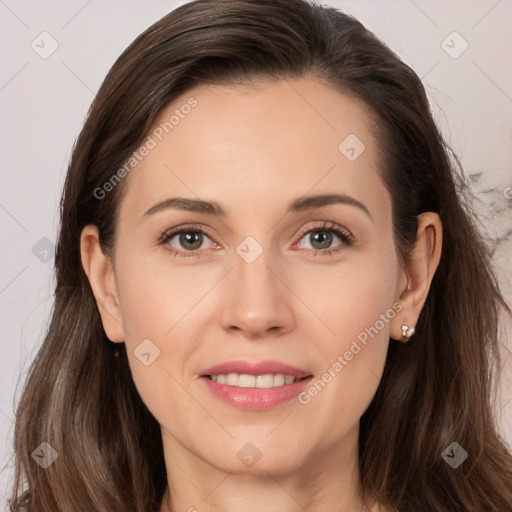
[{"x": 256, "y": 298}]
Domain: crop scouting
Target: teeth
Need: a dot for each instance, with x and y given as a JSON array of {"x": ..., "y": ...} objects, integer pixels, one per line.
[{"x": 243, "y": 380}]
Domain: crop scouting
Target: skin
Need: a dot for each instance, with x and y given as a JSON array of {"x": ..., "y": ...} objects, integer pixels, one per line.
[{"x": 288, "y": 305}]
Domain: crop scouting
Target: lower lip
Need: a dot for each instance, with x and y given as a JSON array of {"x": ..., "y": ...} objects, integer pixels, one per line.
[{"x": 256, "y": 399}]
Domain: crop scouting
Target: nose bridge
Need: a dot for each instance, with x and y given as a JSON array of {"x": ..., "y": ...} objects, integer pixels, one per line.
[{"x": 256, "y": 299}]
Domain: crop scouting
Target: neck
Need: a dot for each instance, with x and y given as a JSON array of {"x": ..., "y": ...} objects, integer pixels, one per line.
[{"x": 328, "y": 480}]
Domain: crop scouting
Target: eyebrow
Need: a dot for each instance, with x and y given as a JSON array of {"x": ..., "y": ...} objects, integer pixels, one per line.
[{"x": 298, "y": 205}]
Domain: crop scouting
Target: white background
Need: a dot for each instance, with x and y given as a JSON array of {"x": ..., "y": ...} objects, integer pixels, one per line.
[{"x": 43, "y": 103}]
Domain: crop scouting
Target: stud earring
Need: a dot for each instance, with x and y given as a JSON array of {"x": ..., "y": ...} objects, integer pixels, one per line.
[{"x": 407, "y": 331}]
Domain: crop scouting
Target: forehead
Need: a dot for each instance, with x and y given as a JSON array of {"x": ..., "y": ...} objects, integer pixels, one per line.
[{"x": 259, "y": 146}]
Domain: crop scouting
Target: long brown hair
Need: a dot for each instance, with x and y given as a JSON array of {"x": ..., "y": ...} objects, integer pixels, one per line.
[{"x": 80, "y": 397}]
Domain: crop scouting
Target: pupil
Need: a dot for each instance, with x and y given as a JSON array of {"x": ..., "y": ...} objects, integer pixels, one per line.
[
  {"x": 325, "y": 239},
  {"x": 191, "y": 238}
]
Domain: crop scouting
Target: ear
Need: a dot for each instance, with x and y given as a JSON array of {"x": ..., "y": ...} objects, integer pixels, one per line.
[
  {"x": 100, "y": 272},
  {"x": 419, "y": 271}
]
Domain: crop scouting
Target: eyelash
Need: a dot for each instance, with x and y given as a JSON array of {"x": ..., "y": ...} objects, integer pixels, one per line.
[{"x": 345, "y": 236}]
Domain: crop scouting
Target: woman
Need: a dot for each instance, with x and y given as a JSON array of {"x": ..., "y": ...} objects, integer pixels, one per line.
[{"x": 271, "y": 293}]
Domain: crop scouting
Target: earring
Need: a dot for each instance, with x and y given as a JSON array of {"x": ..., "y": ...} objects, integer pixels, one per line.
[{"x": 407, "y": 331}]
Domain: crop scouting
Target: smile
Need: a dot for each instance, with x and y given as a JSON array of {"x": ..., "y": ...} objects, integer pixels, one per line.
[{"x": 244, "y": 380}]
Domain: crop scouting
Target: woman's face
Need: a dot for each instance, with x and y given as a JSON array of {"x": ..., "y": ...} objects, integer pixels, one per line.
[{"x": 266, "y": 283}]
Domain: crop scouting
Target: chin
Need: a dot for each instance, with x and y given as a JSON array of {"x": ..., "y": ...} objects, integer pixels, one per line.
[{"x": 250, "y": 460}]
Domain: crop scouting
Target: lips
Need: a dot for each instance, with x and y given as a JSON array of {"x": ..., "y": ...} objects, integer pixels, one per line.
[
  {"x": 259, "y": 368},
  {"x": 246, "y": 385}
]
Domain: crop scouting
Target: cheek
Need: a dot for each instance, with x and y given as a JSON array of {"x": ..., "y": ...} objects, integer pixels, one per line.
[
  {"x": 356, "y": 307},
  {"x": 358, "y": 318},
  {"x": 163, "y": 308},
  {"x": 155, "y": 294},
  {"x": 152, "y": 302},
  {"x": 350, "y": 299}
]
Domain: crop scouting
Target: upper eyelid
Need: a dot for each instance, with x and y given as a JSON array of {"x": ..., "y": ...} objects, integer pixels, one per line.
[
  {"x": 327, "y": 226},
  {"x": 172, "y": 232}
]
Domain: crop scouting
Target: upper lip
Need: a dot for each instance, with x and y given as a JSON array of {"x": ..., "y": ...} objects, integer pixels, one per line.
[{"x": 256, "y": 368}]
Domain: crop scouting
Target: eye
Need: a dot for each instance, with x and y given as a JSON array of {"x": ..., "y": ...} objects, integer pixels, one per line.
[
  {"x": 190, "y": 240},
  {"x": 185, "y": 240},
  {"x": 322, "y": 237}
]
